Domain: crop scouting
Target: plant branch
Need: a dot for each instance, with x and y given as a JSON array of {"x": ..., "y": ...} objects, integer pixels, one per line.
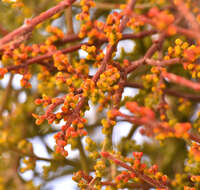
[
  {"x": 181, "y": 81},
  {"x": 30, "y": 25},
  {"x": 139, "y": 174}
]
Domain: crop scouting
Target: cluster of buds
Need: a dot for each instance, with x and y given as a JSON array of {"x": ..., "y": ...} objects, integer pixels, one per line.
[
  {"x": 189, "y": 53},
  {"x": 82, "y": 179},
  {"x": 123, "y": 178},
  {"x": 108, "y": 123},
  {"x": 96, "y": 33},
  {"x": 25, "y": 146},
  {"x": 30, "y": 163},
  {"x": 152, "y": 171},
  {"x": 3, "y": 71},
  {"x": 181, "y": 130},
  {"x": 60, "y": 144},
  {"x": 108, "y": 79},
  {"x": 100, "y": 168},
  {"x": 137, "y": 161},
  {"x": 45, "y": 100},
  {"x": 69, "y": 103},
  {"x": 162, "y": 19},
  {"x": 91, "y": 50},
  {"x": 179, "y": 48},
  {"x": 25, "y": 80},
  {"x": 89, "y": 90},
  {"x": 20, "y": 55},
  {"x": 153, "y": 83},
  {"x": 84, "y": 17},
  {"x": 61, "y": 78},
  {"x": 158, "y": 86},
  {"x": 68, "y": 132},
  {"x": 150, "y": 80},
  {"x": 195, "y": 151},
  {"x": 16, "y": 56},
  {"x": 78, "y": 70},
  {"x": 160, "y": 129},
  {"x": 49, "y": 115},
  {"x": 91, "y": 148},
  {"x": 137, "y": 168},
  {"x": 140, "y": 111},
  {"x": 112, "y": 30},
  {"x": 42, "y": 49},
  {"x": 61, "y": 62},
  {"x": 77, "y": 128},
  {"x": 68, "y": 135},
  {"x": 134, "y": 23},
  {"x": 184, "y": 106},
  {"x": 81, "y": 68},
  {"x": 57, "y": 34}
]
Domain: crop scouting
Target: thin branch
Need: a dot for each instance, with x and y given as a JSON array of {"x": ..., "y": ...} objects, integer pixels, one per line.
[
  {"x": 6, "y": 95},
  {"x": 155, "y": 46},
  {"x": 151, "y": 123},
  {"x": 171, "y": 92},
  {"x": 127, "y": 185},
  {"x": 105, "y": 5},
  {"x": 164, "y": 62},
  {"x": 181, "y": 81},
  {"x": 64, "y": 161},
  {"x": 189, "y": 17},
  {"x": 83, "y": 157},
  {"x": 139, "y": 174},
  {"x": 39, "y": 59},
  {"x": 30, "y": 25},
  {"x": 74, "y": 37},
  {"x": 189, "y": 33}
]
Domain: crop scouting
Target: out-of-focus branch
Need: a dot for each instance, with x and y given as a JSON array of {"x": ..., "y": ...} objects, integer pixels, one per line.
[
  {"x": 6, "y": 95},
  {"x": 181, "y": 81},
  {"x": 105, "y": 5},
  {"x": 3, "y": 31},
  {"x": 83, "y": 157},
  {"x": 64, "y": 161},
  {"x": 30, "y": 24},
  {"x": 171, "y": 92},
  {"x": 186, "y": 13}
]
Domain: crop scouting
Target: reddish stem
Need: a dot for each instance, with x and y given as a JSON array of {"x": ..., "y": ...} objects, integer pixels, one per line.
[
  {"x": 181, "y": 81},
  {"x": 30, "y": 25},
  {"x": 139, "y": 174}
]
